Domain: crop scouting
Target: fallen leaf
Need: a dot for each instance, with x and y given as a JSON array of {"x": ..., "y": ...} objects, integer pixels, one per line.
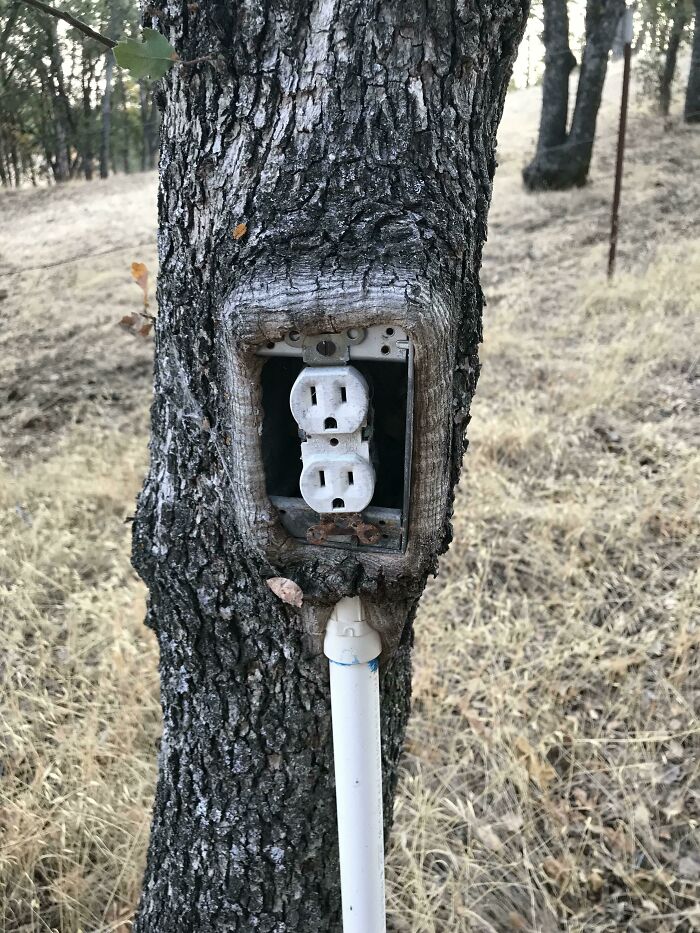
[
  {"x": 139, "y": 273},
  {"x": 555, "y": 869},
  {"x": 145, "y": 329},
  {"x": 517, "y": 921},
  {"x": 539, "y": 770},
  {"x": 287, "y": 590},
  {"x": 239, "y": 231},
  {"x": 128, "y": 321}
]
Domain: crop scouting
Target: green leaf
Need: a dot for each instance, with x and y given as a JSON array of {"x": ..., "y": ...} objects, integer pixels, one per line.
[{"x": 151, "y": 58}]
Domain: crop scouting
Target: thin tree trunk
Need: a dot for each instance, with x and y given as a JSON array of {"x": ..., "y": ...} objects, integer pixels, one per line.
[
  {"x": 558, "y": 64},
  {"x": 678, "y": 24},
  {"x": 143, "y": 105},
  {"x": 356, "y": 141},
  {"x": 87, "y": 74},
  {"x": 691, "y": 110},
  {"x": 4, "y": 180},
  {"x": 124, "y": 134},
  {"x": 106, "y": 128},
  {"x": 567, "y": 164},
  {"x": 63, "y": 120}
]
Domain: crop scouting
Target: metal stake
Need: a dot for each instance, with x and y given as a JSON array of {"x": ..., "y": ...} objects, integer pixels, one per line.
[{"x": 628, "y": 35}]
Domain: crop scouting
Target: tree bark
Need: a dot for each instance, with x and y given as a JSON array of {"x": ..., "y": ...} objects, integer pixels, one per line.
[
  {"x": 566, "y": 164},
  {"x": 558, "y": 64},
  {"x": 106, "y": 128},
  {"x": 124, "y": 135},
  {"x": 145, "y": 128},
  {"x": 691, "y": 110},
  {"x": 86, "y": 77},
  {"x": 678, "y": 24},
  {"x": 356, "y": 142},
  {"x": 64, "y": 124}
]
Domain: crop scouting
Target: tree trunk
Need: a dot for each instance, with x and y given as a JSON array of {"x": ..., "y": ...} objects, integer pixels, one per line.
[
  {"x": 124, "y": 135},
  {"x": 558, "y": 64},
  {"x": 691, "y": 110},
  {"x": 106, "y": 128},
  {"x": 86, "y": 76},
  {"x": 566, "y": 164},
  {"x": 143, "y": 106},
  {"x": 63, "y": 118},
  {"x": 356, "y": 142},
  {"x": 678, "y": 24}
]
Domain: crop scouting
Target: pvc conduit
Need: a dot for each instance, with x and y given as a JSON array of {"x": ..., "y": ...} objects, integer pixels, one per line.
[{"x": 353, "y": 648}]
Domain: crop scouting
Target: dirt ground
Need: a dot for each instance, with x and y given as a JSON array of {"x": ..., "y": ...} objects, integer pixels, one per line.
[{"x": 551, "y": 775}]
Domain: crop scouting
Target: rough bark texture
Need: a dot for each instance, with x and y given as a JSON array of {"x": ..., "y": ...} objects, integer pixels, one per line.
[
  {"x": 691, "y": 110},
  {"x": 678, "y": 23},
  {"x": 566, "y": 163},
  {"x": 356, "y": 142},
  {"x": 558, "y": 64}
]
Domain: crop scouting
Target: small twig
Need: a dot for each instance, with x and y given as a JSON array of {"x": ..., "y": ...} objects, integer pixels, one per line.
[{"x": 73, "y": 21}]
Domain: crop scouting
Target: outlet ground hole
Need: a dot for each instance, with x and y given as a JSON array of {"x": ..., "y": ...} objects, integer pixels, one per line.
[
  {"x": 330, "y": 424},
  {"x": 338, "y": 504}
]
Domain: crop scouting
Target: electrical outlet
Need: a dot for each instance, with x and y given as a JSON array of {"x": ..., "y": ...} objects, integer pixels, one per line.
[
  {"x": 336, "y": 482},
  {"x": 344, "y": 401},
  {"x": 331, "y": 405},
  {"x": 330, "y": 399}
]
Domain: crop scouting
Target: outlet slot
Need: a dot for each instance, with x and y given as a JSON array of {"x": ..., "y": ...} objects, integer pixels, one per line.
[
  {"x": 351, "y": 478},
  {"x": 343, "y": 394},
  {"x": 322, "y": 477},
  {"x": 312, "y": 392}
]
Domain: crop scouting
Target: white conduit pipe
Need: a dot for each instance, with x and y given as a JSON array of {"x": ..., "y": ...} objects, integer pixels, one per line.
[{"x": 353, "y": 649}]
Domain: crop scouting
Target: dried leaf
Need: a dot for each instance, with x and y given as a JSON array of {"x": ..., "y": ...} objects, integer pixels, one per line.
[
  {"x": 517, "y": 921},
  {"x": 539, "y": 770},
  {"x": 129, "y": 321},
  {"x": 139, "y": 273},
  {"x": 145, "y": 329},
  {"x": 287, "y": 590},
  {"x": 555, "y": 869},
  {"x": 239, "y": 231}
]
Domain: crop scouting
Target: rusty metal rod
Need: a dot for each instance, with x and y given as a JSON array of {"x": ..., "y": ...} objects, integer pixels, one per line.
[{"x": 628, "y": 35}]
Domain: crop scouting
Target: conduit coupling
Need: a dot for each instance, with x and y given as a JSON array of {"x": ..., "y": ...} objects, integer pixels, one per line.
[{"x": 353, "y": 649}]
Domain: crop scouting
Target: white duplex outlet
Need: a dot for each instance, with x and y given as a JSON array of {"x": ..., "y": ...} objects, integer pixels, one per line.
[{"x": 331, "y": 404}]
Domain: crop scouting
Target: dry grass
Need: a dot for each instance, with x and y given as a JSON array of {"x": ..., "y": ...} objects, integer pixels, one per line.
[{"x": 551, "y": 775}]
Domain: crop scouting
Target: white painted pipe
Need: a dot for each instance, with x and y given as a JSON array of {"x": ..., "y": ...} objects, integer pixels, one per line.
[{"x": 353, "y": 649}]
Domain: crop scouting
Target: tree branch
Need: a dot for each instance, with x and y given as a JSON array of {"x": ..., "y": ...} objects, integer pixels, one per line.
[{"x": 73, "y": 21}]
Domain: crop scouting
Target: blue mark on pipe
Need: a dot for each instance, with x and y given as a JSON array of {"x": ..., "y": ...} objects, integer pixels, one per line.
[{"x": 373, "y": 665}]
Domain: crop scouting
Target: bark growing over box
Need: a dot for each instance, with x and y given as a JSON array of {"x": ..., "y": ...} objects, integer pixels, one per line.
[{"x": 335, "y": 164}]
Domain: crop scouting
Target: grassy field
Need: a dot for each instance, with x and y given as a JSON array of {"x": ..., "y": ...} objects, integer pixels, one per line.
[{"x": 552, "y": 772}]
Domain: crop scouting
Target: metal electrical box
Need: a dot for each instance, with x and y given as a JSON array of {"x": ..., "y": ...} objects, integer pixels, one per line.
[{"x": 337, "y": 433}]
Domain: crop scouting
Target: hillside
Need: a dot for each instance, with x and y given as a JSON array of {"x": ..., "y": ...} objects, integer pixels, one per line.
[{"x": 550, "y": 780}]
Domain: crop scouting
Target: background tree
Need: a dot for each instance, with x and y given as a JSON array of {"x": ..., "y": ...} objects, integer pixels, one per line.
[
  {"x": 691, "y": 111},
  {"x": 56, "y": 95},
  {"x": 678, "y": 20},
  {"x": 563, "y": 159},
  {"x": 355, "y": 142}
]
